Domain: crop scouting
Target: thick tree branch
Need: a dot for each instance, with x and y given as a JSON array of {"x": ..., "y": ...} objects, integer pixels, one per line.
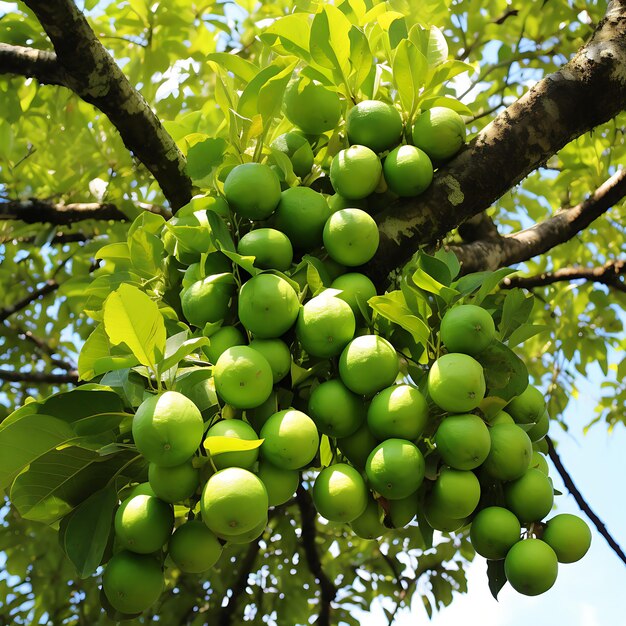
[
  {"x": 95, "y": 77},
  {"x": 50, "y": 286},
  {"x": 32, "y": 63},
  {"x": 480, "y": 226},
  {"x": 39, "y": 378},
  {"x": 589, "y": 90},
  {"x": 582, "y": 503},
  {"x": 328, "y": 590},
  {"x": 489, "y": 254},
  {"x": 607, "y": 274}
]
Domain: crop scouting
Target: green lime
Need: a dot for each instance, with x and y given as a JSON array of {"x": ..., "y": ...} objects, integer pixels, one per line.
[
  {"x": 271, "y": 249},
  {"x": 174, "y": 484},
  {"x": 325, "y": 325},
  {"x": 531, "y": 567},
  {"x": 510, "y": 452},
  {"x": 569, "y": 536},
  {"x": 399, "y": 411},
  {"x": 280, "y": 483},
  {"x": 143, "y": 524},
  {"x": 356, "y": 290},
  {"x": 277, "y": 354},
  {"x": 355, "y": 172},
  {"x": 493, "y": 532},
  {"x": 538, "y": 461},
  {"x": 132, "y": 583},
  {"x": 222, "y": 339},
  {"x": 455, "y": 493},
  {"x": 194, "y": 548},
  {"x": 337, "y": 202},
  {"x": 408, "y": 171},
  {"x": 540, "y": 429},
  {"x": 463, "y": 441},
  {"x": 440, "y": 132},
  {"x": 208, "y": 300},
  {"x": 351, "y": 237},
  {"x": 530, "y": 496},
  {"x": 439, "y": 521},
  {"x": 311, "y": 106},
  {"x": 291, "y": 439},
  {"x": 528, "y": 407},
  {"x": 357, "y": 446},
  {"x": 298, "y": 149},
  {"x": 167, "y": 428},
  {"x": 243, "y": 377},
  {"x": 456, "y": 383},
  {"x": 340, "y": 493},
  {"x": 301, "y": 215},
  {"x": 336, "y": 411},
  {"x": 252, "y": 190},
  {"x": 237, "y": 429},
  {"x": 368, "y": 364},
  {"x": 268, "y": 306},
  {"x": 246, "y": 537},
  {"x": 368, "y": 525},
  {"x": 468, "y": 329},
  {"x": 402, "y": 512},
  {"x": 215, "y": 263},
  {"x": 374, "y": 124}
]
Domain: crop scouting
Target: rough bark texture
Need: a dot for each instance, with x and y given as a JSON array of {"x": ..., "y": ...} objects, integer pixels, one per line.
[
  {"x": 95, "y": 77},
  {"x": 491, "y": 253},
  {"x": 586, "y": 92},
  {"x": 32, "y": 63}
]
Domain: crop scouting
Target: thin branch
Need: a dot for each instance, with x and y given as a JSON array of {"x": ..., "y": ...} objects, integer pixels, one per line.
[
  {"x": 226, "y": 615},
  {"x": 58, "y": 239},
  {"x": 94, "y": 76},
  {"x": 39, "y": 378},
  {"x": 556, "y": 110},
  {"x": 582, "y": 503},
  {"x": 328, "y": 590},
  {"x": 607, "y": 274},
  {"x": 32, "y": 63},
  {"x": 489, "y": 254},
  {"x": 42, "y": 347},
  {"x": 50, "y": 286}
]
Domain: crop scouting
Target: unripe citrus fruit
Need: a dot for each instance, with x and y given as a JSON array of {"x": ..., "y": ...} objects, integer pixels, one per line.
[
  {"x": 224, "y": 338},
  {"x": 463, "y": 441},
  {"x": 456, "y": 383},
  {"x": 528, "y": 407},
  {"x": 243, "y": 377},
  {"x": 501, "y": 417},
  {"x": 493, "y": 532},
  {"x": 402, "y": 512},
  {"x": 301, "y": 215},
  {"x": 538, "y": 461},
  {"x": 247, "y": 536},
  {"x": 311, "y": 106},
  {"x": 325, "y": 325},
  {"x": 530, "y": 496},
  {"x": 252, "y": 190},
  {"x": 468, "y": 329},
  {"x": 277, "y": 354},
  {"x": 237, "y": 429},
  {"x": 439, "y": 521},
  {"x": 192, "y": 232},
  {"x": 215, "y": 263},
  {"x": 268, "y": 306},
  {"x": 355, "y": 288},
  {"x": 368, "y": 364},
  {"x": 355, "y": 172},
  {"x": 142, "y": 489},
  {"x": 569, "y": 536},
  {"x": 174, "y": 484},
  {"x": 541, "y": 446},
  {"x": 531, "y": 567},
  {"x": 408, "y": 171},
  {"x": 194, "y": 548},
  {"x": 455, "y": 493},
  {"x": 540, "y": 429},
  {"x": 374, "y": 124},
  {"x": 336, "y": 411},
  {"x": 208, "y": 300},
  {"x": 260, "y": 414},
  {"x": 340, "y": 493},
  {"x": 271, "y": 248},
  {"x": 132, "y": 582},
  {"x": 368, "y": 524},
  {"x": 398, "y": 411},
  {"x": 291, "y": 439},
  {"x": 357, "y": 446},
  {"x": 143, "y": 524},
  {"x": 280, "y": 483},
  {"x": 298, "y": 149},
  {"x": 167, "y": 428},
  {"x": 395, "y": 468},
  {"x": 440, "y": 132},
  {"x": 234, "y": 500},
  {"x": 351, "y": 237},
  {"x": 510, "y": 452}
]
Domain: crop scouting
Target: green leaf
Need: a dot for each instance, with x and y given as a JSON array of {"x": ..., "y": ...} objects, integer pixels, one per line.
[
  {"x": 451, "y": 261},
  {"x": 525, "y": 332},
  {"x": 215, "y": 445},
  {"x": 447, "y": 70},
  {"x": 237, "y": 65},
  {"x": 25, "y": 439},
  {"x": 128, "y": 385},
  {"x": 409, "y": 73},
  {"x": 271, "y": 95},
  {"x": 445, "y": 101},
  {"x": 431, "y": 43},
  {"x": 204, "y": 155},
  {"x": 220, "y": 233},
  {"x": 99, "y": 423},
  {"x": 329, "y": 43},
  {"x": 87, "y": 530},
  {"x": 489, "y": 282},
  {"x": 506, "y": 375},
  {"x": 292, "y": 32},
  {"x": 496, "y": 577},
  {"x": 178, "y": 347},
  {"x": 132, "y": 318},
  {"x": 515, "y": 311},
  {"x": 97, "y": 356},
  {"x": 361, "y": 59},
  {"x": 428, "y": 283},
  {"x": 248, "y": 100},
  {"x": 81, "y": 402}
]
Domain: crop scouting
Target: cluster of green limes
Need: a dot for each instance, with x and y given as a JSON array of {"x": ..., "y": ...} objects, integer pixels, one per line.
[{"x": 265, "y": 325}]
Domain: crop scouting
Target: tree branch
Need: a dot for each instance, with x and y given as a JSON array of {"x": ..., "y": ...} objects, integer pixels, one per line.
[
  {"x": 489, "y": 254},
  {"x": 582, "y": 503},
  {"x": 42, "y": 347},
  {"x": 328, "y": 591},
  {"x": 32, "y": 63},
  {"x": 94, "y": 76},
  {"x": 50, "y": 286},
  {"x": 559, "y": 108},
  {"x": 607, "y": 274},
  {"x": 39, "y": 378}
]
